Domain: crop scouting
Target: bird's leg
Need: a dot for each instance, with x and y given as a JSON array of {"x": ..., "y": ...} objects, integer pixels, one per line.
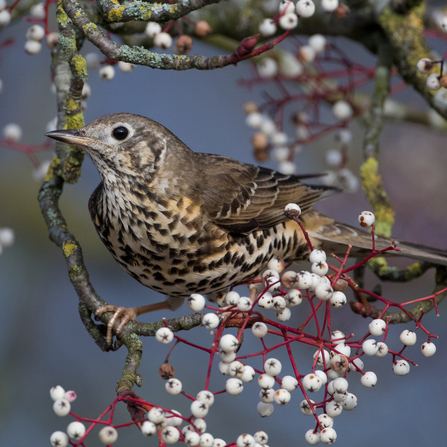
[{"x": 127, "y": 314}]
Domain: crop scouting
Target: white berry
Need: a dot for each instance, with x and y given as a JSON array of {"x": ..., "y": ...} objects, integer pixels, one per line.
[
  {"x": 5, "y": 17},
  {"x": 401, "y": 368},
  {"x": 254, "y": 120},
  {"x": 288, "y": 21},
  {"x": 232, "y": 298},
  {"x": 170, "y": 435},
  {"x": 248, "y": 374},
  {"x": 289, "y": 383},
  {"x": 196, "y": 302},
  {"x": 317, "y": 42},
  {"x": 338, "y": 299},
  {"x": 306, "y": 408},
  {"x": 337, "y": 337},
  {"x": 328, "y": 436},
  {"x": 370, "y": 347},
  {"x": 433, "y": 82},
  {"x": 369, "y": 379},
  {"x": 76, "y": 430},
  {"x": 259, "y": 330},
  {"x": 408, "y": 338},
  {"x": 265, "y": 410},
  {"x": 311, "y": 437},
  {"x": 267, "y": 68},
  {"x": 333, "y": 158},
  {"x": 350, "y": 402},
  {"x": 267, "y": 28},
  {"x": 261, "y": 437},
  {"x": 305, "y": 8},
  {"x": 173, "y": 386},
  {"x": 293, "y": 207},
  {"x": 156, "y": 415},
  {"x": 342, "y": 110},
  {"x": 236, "y": 369},
  {"x": 199, "y": 409},
  {"x": 267, "y": 395},
  {"x": 286, "y": 6},
  {"x": 317, "y": 255},
  {"x": 106, "y": 73},
  {"x": 108, "y": 435},
  {"x": 293, "y": 298},
  {"x": 272, "y": 367},
  {"x": 377, "y": 327},
  {"x": 428, "y": 349},
  {"x": 234, "y": 386},
  {"x": 366, "y": 219},
  {"x": 59, "y": 439},
  {"x": 210, "y": 321},
  {"x": 38, "y": 11},
  {"x": 244, "y": 304},
  {"x": 282, "y": 397},
  {"x": 206, "y": 396},
  {"x": 284, "y": 315},
  {"x": 148, "y": 428},
  {"x": 57, "y": 392},
  {"x": 307, "y": 53},
  {"x": 323, "y": 357},
  {"x": 382, "y": 351},
  {"x": 245, "y": 440},
  {"x": 12, "y": 132},
  {"x": 266, "y": 301},
  {"x": 164, "y": 335},
  {"x": 329, "y": 5},
  {"x": 163, "y": 41},
  {"x": 312, "y": 382},
  {"x": 152, "y": 29},
  {"x": 32, "y": 47},
  {"x": 334, "y": 408},
  {"x": 229, "y": 342},
  {"x": 324, "y": 292},
  {"x": 35, "y": 32},
  {"x": 125, "y": 67},
  {"x": 61, "y": 407},
  {"x": 266, "y": 381},
  {"x": 425, "y": 65}
]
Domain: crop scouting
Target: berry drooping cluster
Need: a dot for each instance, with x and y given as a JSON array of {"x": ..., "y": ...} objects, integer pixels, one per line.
[
  {"x": 321, "y": 381},
  {"x": 314, "y": 67}
]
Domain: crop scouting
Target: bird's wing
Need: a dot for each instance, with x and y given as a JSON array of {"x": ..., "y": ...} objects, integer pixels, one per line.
[{"x": 242, "y": 198}]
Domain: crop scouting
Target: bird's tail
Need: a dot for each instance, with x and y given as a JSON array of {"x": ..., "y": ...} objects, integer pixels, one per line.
[{"x": 335, "y": 237}]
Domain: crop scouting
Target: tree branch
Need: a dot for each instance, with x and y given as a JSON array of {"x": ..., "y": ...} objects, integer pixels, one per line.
[{"x": 112, "y": 11}]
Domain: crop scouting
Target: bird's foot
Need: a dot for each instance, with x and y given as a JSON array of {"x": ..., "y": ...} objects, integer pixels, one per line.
[{"x": 126, "y": 314}]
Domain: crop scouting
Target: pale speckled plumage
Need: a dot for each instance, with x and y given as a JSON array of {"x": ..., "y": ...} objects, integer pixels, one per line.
[{"x": 182, "y": 222}]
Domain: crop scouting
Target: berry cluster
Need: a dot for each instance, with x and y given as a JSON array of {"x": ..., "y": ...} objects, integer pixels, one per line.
[{"x": 338, "y": 359}]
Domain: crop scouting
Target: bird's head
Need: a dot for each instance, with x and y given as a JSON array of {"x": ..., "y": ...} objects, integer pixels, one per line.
[{"x": 122, "y": 143}]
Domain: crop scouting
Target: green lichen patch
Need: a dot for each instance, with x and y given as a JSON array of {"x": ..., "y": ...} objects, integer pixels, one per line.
[
  {"x": 68, "y": 248},
  {"x": 373, "y": 186}
]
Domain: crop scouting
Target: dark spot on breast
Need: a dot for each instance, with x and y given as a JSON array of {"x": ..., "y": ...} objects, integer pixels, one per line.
[{"x": 159, "y": 277}]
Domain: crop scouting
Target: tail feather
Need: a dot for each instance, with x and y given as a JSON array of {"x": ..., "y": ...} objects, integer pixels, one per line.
[{"x": 335, "y": 237}]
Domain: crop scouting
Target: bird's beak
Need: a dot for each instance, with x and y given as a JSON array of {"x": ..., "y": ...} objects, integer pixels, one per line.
[{"x": 70, "y": 136}]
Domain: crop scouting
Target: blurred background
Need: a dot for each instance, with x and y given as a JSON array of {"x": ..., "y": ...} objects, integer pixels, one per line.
[{"x": 43, "y": 342}]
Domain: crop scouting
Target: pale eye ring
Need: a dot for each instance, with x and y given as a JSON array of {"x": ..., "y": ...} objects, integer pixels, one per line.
[{"x": 120, "y": 133}]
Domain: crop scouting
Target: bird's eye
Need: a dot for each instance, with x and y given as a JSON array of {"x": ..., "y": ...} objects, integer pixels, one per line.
[{"x": 120, "y": 133}]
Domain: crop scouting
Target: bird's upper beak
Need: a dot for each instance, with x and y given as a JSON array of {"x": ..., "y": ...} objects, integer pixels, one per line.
[{"x": 74, "y": 137}]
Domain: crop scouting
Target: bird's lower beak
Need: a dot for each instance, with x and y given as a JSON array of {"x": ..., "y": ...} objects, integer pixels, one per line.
[{"x": 70, "y": 136}]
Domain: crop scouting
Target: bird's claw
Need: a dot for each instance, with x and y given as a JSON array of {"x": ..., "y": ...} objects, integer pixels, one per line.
[{"x": 125, "y": 314}]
